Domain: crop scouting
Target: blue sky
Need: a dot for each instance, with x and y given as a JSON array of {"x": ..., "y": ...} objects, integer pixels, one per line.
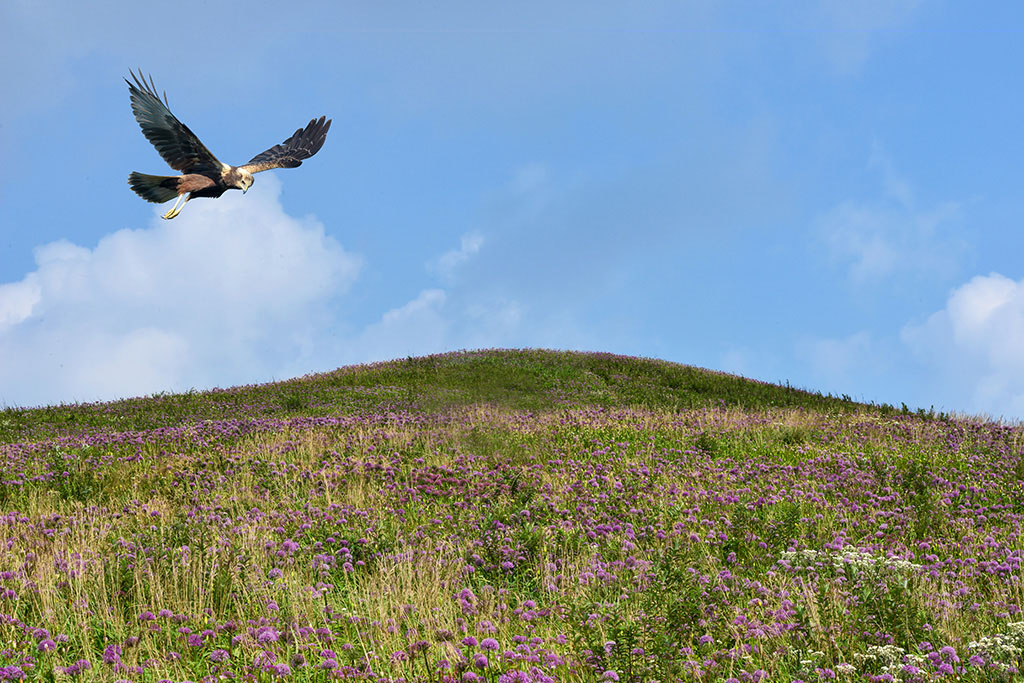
[{"x": 824, "y": 193}]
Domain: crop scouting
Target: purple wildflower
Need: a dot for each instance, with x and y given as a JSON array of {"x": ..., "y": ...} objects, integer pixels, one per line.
[
  {"x": 112, "y": 655},
  {"x": 267, "y": 635}
]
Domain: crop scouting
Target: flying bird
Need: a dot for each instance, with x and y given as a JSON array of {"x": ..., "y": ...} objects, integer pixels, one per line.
[{"x": 203, "y": 174}]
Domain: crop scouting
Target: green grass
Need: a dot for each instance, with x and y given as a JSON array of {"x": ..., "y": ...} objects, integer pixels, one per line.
[
  {"x": 592, "y": 513},
  {"x": 512, "y": 379}
]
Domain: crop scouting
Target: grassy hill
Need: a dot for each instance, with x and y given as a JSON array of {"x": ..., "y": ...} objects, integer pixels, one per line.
[
  {"x": 508, "y": 516},
  {"x": 513, "y": 379}
]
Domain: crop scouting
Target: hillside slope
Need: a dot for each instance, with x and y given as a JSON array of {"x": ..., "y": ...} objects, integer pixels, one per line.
[
  {"x": 509, "y": 517},
  {"x": 515, "y": 379}
]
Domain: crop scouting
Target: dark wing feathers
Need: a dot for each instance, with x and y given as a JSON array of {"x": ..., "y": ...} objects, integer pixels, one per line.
[
  {"x": 179, "y": 146},
  {"x": 303, "y": 144}
]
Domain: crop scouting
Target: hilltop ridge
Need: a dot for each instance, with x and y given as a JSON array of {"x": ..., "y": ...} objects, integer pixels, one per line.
[{"x": 528, "y": 379}]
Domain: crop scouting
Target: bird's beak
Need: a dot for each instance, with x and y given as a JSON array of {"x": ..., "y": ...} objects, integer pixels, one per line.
[{"x": 244, "y": 190}]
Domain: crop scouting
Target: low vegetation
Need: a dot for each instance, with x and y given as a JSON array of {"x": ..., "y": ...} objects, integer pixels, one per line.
[{"x": 509, "y": 516}]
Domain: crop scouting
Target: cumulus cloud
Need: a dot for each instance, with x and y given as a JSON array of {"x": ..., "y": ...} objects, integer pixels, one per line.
[
  {"x": 446, "y": 264},
  {"x": 975, "y": 343},
  {"x": 417, "y": 327},
  {"x": 231, "y": 291}
]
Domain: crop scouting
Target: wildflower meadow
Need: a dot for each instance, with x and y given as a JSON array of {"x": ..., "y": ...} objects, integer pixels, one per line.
[{"x": 509, "y": 516}]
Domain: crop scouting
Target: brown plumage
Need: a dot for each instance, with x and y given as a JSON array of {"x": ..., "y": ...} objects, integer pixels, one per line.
[{"x": 202, "y": 174}]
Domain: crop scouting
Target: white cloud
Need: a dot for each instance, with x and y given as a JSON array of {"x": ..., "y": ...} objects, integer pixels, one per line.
[
  {"x": 412, "y": 329},
  {"x": 17, "y": 300},
  {"x": 975, "y": 344},
  {"x": 231, "y": 291},
  {"x": 436, "y": 320},
  {"x": 446, "y": 264}
]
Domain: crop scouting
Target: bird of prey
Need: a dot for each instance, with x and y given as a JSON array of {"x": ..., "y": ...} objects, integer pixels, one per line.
[{"x": 203, "y": 175}]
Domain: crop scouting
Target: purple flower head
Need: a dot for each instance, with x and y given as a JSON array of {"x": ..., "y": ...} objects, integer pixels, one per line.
[
  {"x": 47, "y": 645},
  {"x": 218, "y": 656},
  {"x": 489, "y": 644},
  {"x": 480, "y": 661},
  {"x": 77, "y": 668},
  {"x": 610, "y": 676},
  {"x": 147, "y": 616},
  {"x": 112, "y": 655},
  {"x": 470, "y": 641},
  {"x": 267, "y": 634},
  {"x": 949, "y": 653}
]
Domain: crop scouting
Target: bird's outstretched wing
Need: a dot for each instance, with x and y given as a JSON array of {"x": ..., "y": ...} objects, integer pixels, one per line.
[
  {"x": 302, "y": 145},
  {"x": 179, "y": 146}
]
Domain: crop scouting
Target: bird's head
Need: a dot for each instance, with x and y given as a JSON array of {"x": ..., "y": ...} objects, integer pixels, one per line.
[{"x": 244, "y": 181}]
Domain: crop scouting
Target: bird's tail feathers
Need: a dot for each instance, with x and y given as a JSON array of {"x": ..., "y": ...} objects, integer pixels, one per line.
[{"x": 154, "y": 188}]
